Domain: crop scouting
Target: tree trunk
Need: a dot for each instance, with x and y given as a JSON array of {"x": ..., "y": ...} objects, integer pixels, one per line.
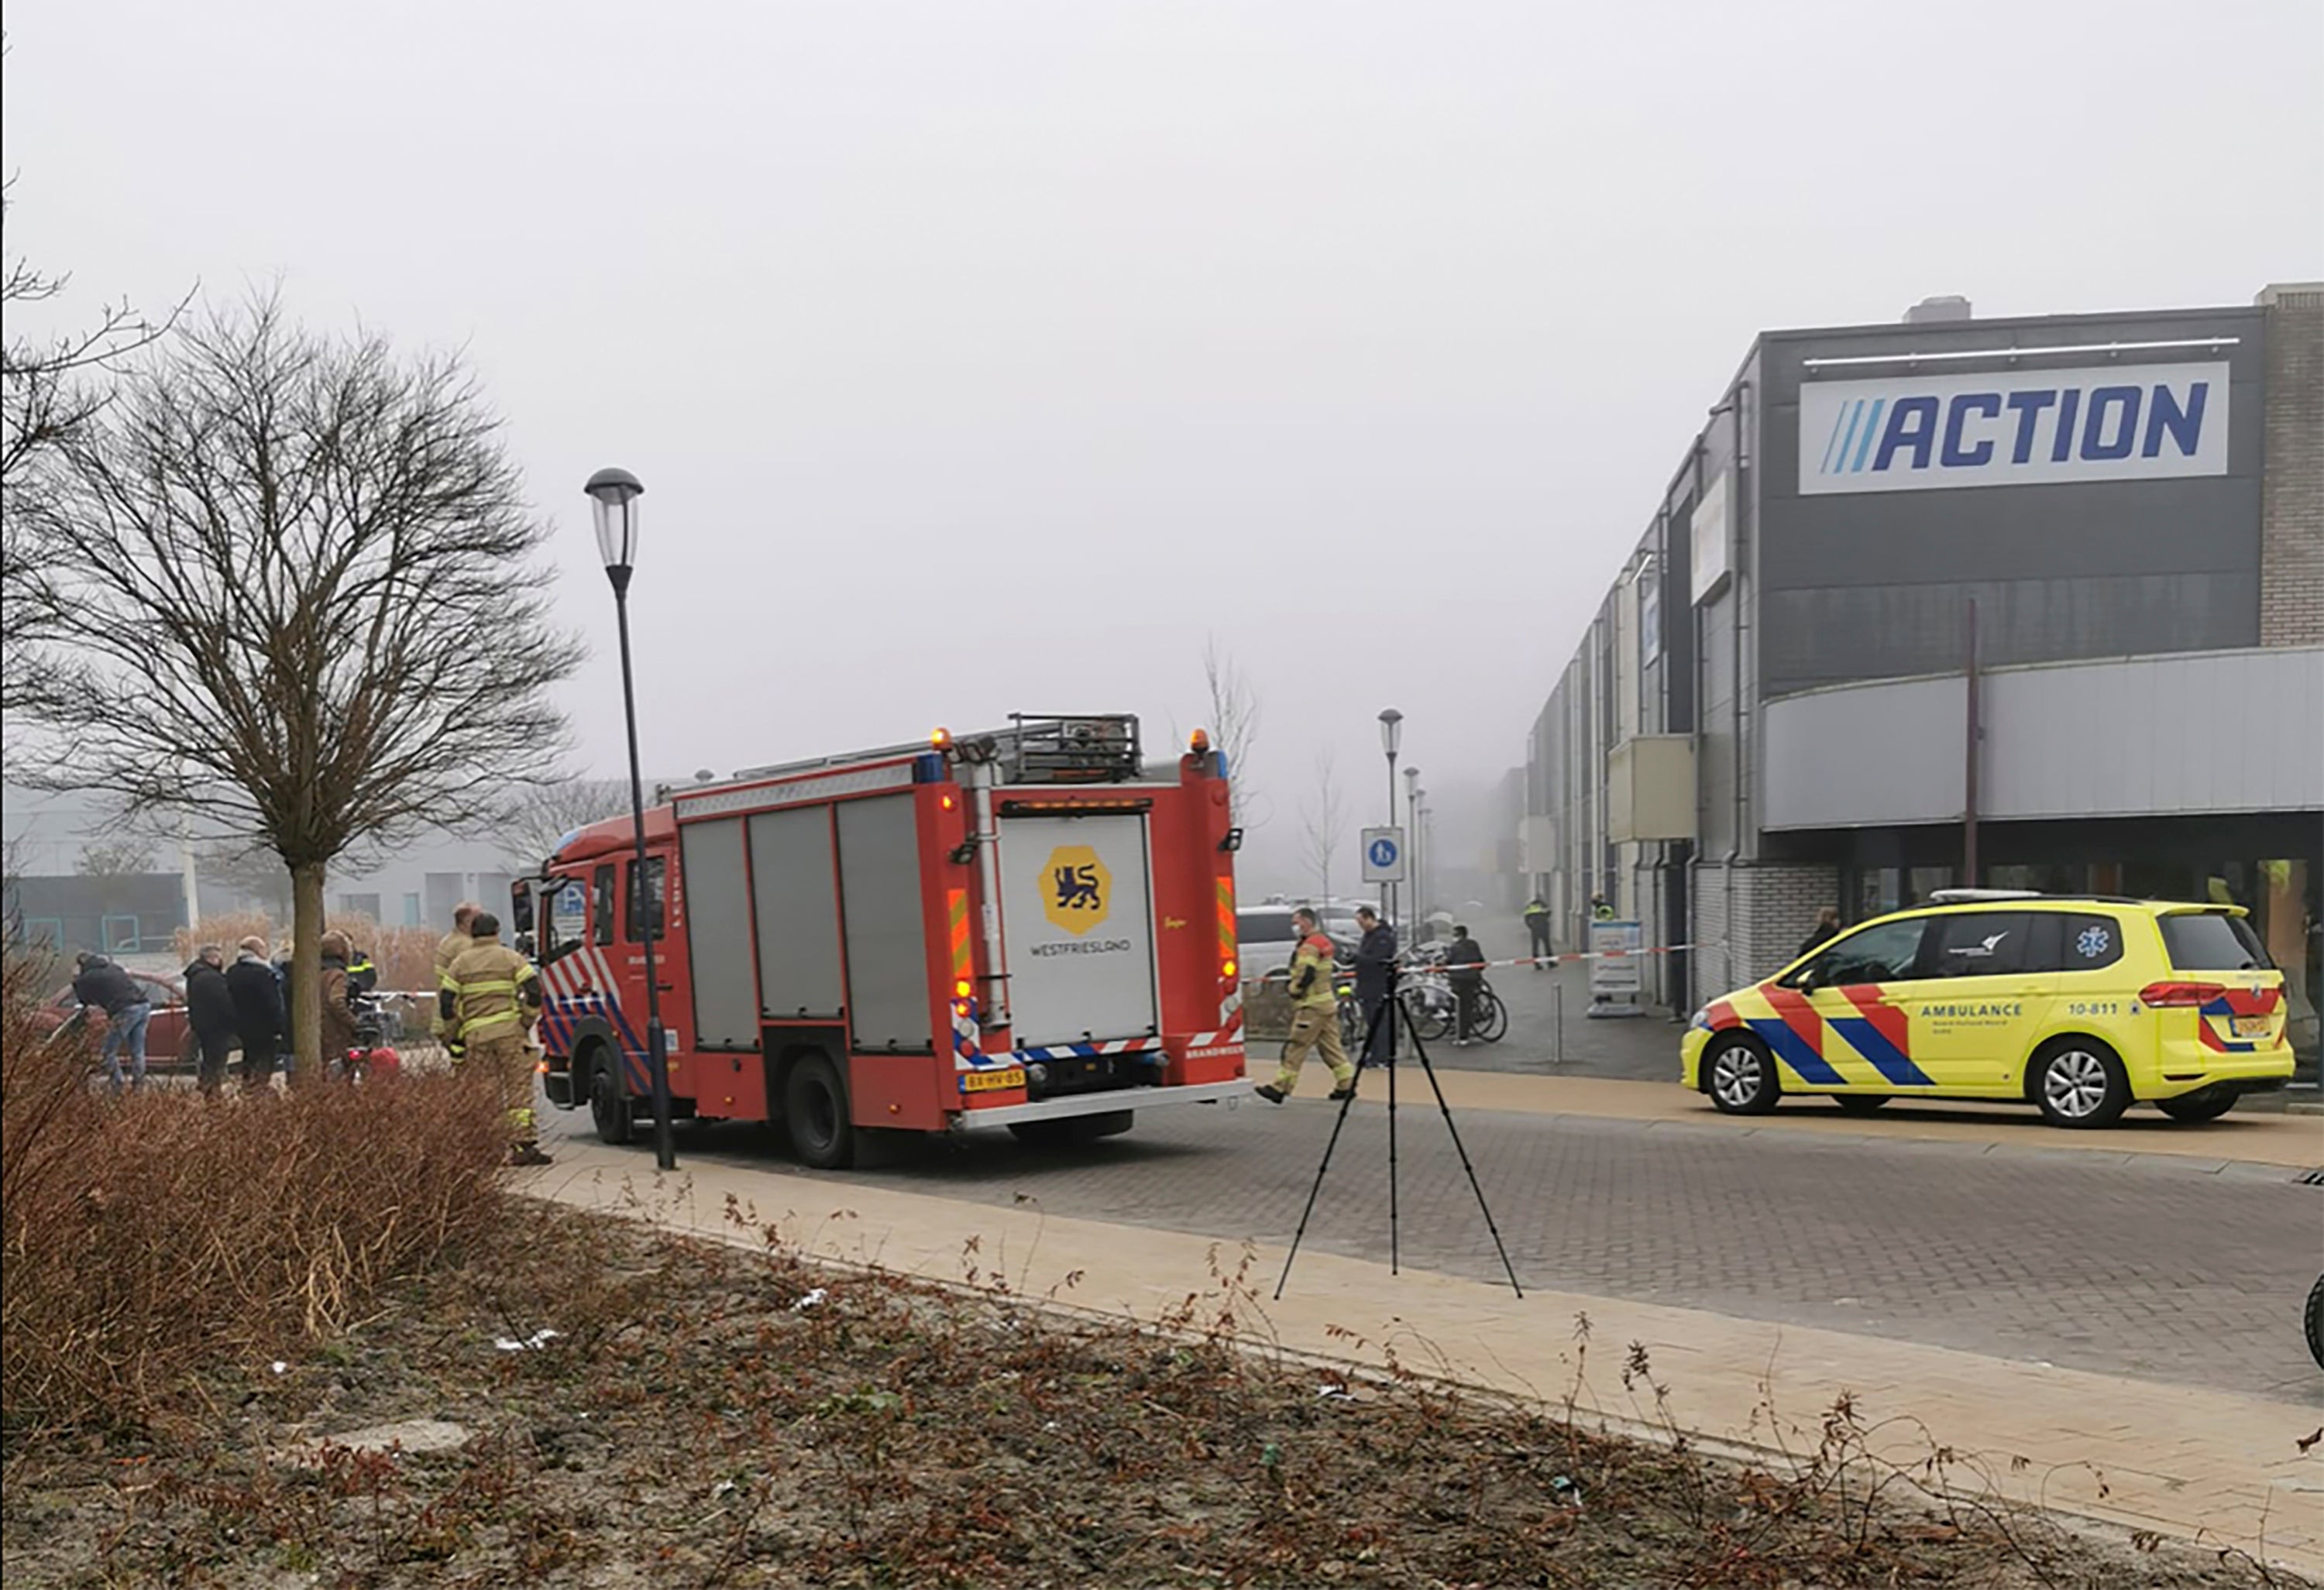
[{"x": 306, "y": 973}]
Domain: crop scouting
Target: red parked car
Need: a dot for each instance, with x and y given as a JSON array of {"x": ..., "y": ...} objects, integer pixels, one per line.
[{"x": 168, "y": 1040}]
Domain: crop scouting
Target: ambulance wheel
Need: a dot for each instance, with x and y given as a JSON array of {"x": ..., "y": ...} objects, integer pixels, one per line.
[
  {"x": 1739, "y": 1075},
  {"x": 2205, "y": 1104},
  {"x": 609, "y": 1105},
  {"x": 2078, "y": 1082},
  {"x": 1073, "y": 1131},
  {"x": 2314, "y": 1320},
  {"x": 1861, "y": 1104},
  {"x": 815, "y": 1111}
]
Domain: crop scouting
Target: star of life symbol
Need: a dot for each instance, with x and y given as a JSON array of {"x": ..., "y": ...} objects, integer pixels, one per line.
[{"x": 2092, "y": 943}]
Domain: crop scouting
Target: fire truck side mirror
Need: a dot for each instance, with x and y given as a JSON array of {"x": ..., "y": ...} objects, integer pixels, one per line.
[{"x": 521, "y": 906}]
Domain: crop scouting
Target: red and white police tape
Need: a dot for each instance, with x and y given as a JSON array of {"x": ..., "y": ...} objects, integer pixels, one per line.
[{"x": 1554, "y": 960}]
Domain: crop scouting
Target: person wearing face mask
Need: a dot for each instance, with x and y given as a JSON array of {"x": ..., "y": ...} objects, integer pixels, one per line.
[{"x": 1314, "y": 1016}]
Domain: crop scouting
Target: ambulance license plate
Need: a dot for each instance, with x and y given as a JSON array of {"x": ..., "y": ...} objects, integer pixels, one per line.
[
  {"x": 993, "y": 1081},
  {"x": 2250, "y": 1026}
]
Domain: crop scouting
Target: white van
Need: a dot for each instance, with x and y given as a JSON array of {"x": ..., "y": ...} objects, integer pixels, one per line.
[{"x": 1265, "y": 939}]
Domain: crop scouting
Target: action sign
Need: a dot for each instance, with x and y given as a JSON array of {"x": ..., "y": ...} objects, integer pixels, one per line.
[
  {"x": 1383, "y": 855},
  {"x": 1915, "y": 432}
]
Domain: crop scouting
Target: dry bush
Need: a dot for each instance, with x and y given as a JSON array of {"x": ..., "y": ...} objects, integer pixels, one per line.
[
  {"x": 225, "y": 929},
  {"x": 405, "y": 956},
  {"x": 151, "y": 1240}
]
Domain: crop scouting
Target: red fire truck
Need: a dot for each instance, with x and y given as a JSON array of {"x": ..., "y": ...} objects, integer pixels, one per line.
[{"x": 1013, "y": 928}]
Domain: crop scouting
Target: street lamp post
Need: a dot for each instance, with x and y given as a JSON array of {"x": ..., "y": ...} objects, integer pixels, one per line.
[
  {"x": 1412, "y": 851},
  {"x": 614, "y": 495},
  {"x": 1391, "y": 723}
]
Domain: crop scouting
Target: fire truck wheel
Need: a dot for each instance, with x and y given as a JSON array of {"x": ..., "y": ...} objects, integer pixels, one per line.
[
  {"x": 1074, "y": 1129},
  {"x": 815, "y": 1110},
  {"x": 609, "y": 1108}
]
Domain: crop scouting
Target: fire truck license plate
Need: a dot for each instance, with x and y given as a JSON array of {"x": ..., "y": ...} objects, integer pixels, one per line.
[{"x": 993, "y": 1081}]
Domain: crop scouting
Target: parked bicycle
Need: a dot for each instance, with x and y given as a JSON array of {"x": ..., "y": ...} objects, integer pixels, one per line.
[
  {"x": 1426, "y": 986},
  {"x": 372, "y": 1057}
]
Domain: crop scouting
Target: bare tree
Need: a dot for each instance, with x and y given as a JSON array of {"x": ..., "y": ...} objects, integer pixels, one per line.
[
  {"x": 302, "y": 600},
  {"x": 541, "y": 815},
  {"x": 1234, "y": 722},
  {"x": 51, "y": 388},
  {"x": 115, "y": 857},
  {"x": 252, "y": 871},
  {"x": 1324, "y": 822}
]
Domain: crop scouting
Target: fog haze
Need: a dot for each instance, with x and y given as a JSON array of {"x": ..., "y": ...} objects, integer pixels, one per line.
[{"x": 981, "y": 358}]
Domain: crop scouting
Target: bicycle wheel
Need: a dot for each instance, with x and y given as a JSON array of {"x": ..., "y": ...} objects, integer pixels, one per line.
[
  {"x": 1492, "y": 1017},
  {"x": 1432, "y": 1015},
  {"x": 1351, "y": 1027}
]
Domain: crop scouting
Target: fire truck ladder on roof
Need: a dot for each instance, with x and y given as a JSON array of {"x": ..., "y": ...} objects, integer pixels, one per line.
[{"x": 1092, "y": 748}]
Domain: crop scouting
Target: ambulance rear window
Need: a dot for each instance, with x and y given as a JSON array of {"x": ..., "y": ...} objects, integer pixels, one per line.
[{"x": 2212, "y": 941}]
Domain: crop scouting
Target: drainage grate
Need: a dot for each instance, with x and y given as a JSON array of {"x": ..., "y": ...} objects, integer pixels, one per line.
[{"x": 2310, "y": 1178}]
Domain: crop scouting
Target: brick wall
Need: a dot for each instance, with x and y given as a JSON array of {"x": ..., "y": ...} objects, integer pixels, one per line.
[
  {"x": 2291, "y": 501},
  {"x": 1776, "y": 906}
]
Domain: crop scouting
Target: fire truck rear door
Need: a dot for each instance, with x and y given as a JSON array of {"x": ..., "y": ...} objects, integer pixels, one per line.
[{"x": 1077, "y": 911}]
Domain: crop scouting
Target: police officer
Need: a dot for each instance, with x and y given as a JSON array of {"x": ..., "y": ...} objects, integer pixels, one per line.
[
  {"x": 1314, "y": 1016},
  {"x": 1536, "y": 921},
  {"x": 450, "y": 948},
  {"x": 363, "y": 975},
  {"x": 488, "y": 995}
]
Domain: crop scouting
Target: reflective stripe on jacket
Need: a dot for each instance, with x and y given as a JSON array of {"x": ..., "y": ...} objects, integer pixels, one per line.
[
  {"x": 482, "y": 990},
  {"x": 1312, "y": 974}
]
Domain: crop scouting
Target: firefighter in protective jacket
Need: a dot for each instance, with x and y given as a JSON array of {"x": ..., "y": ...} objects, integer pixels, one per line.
[
  {"x": 450, "y": 948},
  {"x": 1314, "y": 1016},
  {"x": 490, "y": 997}
]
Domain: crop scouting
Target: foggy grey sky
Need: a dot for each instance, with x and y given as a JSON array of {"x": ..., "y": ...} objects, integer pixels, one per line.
[{"x": 982, "y": 357}]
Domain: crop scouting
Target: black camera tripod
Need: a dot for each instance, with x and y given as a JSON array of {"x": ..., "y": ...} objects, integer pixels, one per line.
[{"x": 1392, "y": 1011}]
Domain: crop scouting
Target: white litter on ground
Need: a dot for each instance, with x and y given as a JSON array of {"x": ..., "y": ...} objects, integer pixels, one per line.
[{"x": 531, "y": 1344}]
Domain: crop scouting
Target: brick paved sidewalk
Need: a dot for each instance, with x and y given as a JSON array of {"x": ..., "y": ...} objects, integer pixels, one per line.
[{"x": 2183, "y": 1461}]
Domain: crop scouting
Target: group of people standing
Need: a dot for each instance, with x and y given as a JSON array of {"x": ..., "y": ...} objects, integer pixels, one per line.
[
  {"x": 487, "y": 1000},
  {"x": 243, "y": 1005}
]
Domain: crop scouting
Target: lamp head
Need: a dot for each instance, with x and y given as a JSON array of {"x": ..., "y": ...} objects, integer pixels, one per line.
[
  {"x": 1391, "y": 723},
  {"x": 614, "y": 496}
]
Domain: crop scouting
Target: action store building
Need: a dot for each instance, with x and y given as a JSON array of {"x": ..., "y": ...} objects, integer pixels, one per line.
[{"x": 2119, "y": 518}]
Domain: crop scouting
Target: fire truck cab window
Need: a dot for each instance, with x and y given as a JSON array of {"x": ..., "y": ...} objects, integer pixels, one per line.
[
  {"x": 601, "y": 910},
  {"x": 657, "y": 882}
]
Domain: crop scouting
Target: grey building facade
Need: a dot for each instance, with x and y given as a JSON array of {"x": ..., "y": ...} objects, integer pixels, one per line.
[{"x": 2120, "y": 517}]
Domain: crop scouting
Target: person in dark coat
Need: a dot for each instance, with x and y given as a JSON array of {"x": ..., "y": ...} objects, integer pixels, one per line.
[
  {"x": 258, "y": 1023},
  {"x": 209, "y": 1011},
  {"x": 339, "y": 1008},
  {"x": 1375, "y": 962},
  {"x": 1465, "y": 952},
  {"x": 1827, "y": 928},
  {"x": 127, "y": 1008}
]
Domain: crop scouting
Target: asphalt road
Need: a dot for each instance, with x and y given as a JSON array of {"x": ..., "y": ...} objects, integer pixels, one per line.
[{"x": 2151, "y": 1268}]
